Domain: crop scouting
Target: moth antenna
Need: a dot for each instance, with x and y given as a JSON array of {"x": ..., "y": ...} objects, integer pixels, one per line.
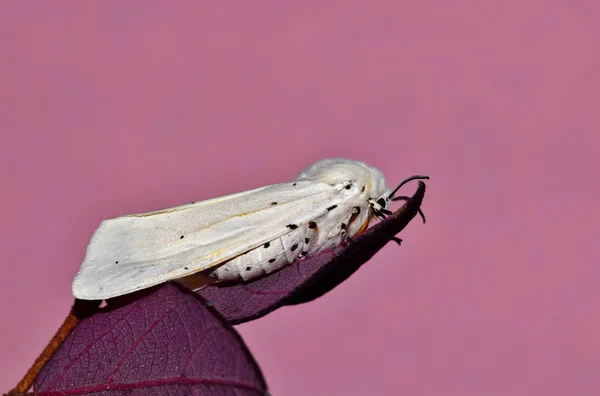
[
  {"x": 405, "y": 198},
  {"x": 415, "y": 177},
  {"x": 401, "y": 198}
]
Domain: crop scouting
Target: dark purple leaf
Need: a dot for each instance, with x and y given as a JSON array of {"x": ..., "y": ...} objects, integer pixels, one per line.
[
  {"x": 311, "y": 277},
  {"x": 166, "y": 341}
]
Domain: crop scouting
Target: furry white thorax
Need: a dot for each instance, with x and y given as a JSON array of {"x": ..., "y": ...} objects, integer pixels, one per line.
[{"x": 339, "y": 170}]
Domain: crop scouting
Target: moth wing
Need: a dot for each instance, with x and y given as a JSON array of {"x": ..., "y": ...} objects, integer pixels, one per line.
[{"x": 133, "y": 252}]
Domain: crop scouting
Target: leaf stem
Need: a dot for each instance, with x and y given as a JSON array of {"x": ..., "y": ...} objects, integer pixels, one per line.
[{"x": 79, "y": 310}]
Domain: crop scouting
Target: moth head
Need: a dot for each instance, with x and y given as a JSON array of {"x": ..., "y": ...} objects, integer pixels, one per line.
[{"x": 379, "y": 206}]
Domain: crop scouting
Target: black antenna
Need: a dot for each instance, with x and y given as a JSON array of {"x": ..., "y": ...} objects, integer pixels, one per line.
[
  {"x": 405, "y": 198},
  {"x": 416, "y": 177}
]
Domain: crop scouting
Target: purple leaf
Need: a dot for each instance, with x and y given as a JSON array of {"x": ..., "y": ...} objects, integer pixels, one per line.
[
  {"x": 167, "y": 341},
  {"x": 311, "y": 277}
]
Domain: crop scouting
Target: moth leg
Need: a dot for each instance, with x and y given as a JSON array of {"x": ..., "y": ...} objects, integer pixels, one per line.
[
  {"x": 397, "y": 240},
  {"x": 346, "y": 225},
  {"x": 405, "y": 198},
  {"x": 348, "y": 239},
  {"x": 344, "y": 233}
]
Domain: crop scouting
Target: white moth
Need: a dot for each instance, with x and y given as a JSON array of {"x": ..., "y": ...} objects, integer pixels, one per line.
[{"x": 236, "y": 237}]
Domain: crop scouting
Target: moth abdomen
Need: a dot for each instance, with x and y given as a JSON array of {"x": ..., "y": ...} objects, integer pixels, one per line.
[{"x": 266, "y": 258}]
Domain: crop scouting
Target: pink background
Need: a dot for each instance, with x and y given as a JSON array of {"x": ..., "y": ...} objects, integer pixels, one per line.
[{"x": 109, "y": 108}]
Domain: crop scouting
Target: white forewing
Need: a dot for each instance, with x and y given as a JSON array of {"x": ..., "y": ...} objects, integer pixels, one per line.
[{"x": 134, "y": 252}]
